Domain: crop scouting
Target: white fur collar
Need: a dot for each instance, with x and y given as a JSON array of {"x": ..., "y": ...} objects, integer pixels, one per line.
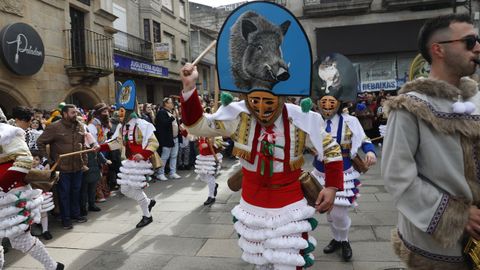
[{"x": 436, "y": 88}]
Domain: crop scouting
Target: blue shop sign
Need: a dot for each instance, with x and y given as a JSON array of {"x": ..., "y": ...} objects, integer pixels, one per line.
[{"x": 122, "y": 63}]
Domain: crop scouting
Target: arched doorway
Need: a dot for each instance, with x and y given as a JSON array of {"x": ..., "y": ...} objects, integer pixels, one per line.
[
  {"x": 10, "y": 98},
  {"x": 7, "y": 103},
  {"x": 82, "y": 99}
]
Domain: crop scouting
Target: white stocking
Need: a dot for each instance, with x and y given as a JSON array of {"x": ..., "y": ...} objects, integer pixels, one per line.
[
  {"x": 339, "y": 222},
  {"x": 44, "y": 220},
  {"x": 211, "y": 185},
  {"x": 2, "y": 259},
  {"x": 26, "y": 243},
  {"x": 139, "y": 196}
]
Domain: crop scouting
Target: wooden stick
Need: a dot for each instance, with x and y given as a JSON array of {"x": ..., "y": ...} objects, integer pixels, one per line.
[
  {"x": 204, "y": 52},
  {"x": 376, "y": 139},
  {"x": 68, "y": 155},
  {"x": 76, "y": 153}
]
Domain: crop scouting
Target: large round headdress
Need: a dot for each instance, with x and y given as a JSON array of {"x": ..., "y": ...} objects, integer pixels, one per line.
[
  {"x": 262, "y": 46},
  {"x": 334, "y": 75}
]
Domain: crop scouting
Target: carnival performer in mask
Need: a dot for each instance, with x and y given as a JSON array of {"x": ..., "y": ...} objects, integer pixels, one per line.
[
  {"x": 208, "y": 163},
  {"x": 20, "y": 205},
  {"x": 137, "y": 136},
  {"x": 335, "y": 85},
  {"x": 273, "y": 218}
]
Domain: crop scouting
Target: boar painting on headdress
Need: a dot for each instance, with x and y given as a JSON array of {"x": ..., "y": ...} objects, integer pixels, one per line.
[{"x": 263, "y": 47}]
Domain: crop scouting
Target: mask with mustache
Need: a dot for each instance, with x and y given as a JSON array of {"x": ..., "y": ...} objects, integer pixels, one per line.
[{"x": 265, "y": 106}]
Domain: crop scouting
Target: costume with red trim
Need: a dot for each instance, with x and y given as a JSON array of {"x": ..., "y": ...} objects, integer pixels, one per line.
[
  {"x": 135, "y": 136},
  {"x": 208, "y": 164},
  {"x": 20, "y": 205},
  {"x": 256, "y": 47},
  {"x": 273, "y": 216}
]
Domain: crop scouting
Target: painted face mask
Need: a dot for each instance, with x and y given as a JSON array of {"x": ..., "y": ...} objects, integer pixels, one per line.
[
  {"x": 265, "y": 106},
  {"x": 121, "y": 114},
  {"x": 328, "y": 106}
]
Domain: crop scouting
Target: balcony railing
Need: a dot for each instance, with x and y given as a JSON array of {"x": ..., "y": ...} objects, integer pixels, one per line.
[
  {"x": 325, "y": 8},
  {"x": 136, "y": 46},
  {"x": 88, "y": 53},
  {"x": 417, "y": 4}
]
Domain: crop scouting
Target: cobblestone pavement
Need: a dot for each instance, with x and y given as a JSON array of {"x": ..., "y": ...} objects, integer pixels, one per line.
[{"x": 187, "y": 235}]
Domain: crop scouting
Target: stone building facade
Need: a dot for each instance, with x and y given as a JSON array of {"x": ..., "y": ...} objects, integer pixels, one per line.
[
  {"x": 141, "y": 26},
  {"x": 77, "y": 51}
]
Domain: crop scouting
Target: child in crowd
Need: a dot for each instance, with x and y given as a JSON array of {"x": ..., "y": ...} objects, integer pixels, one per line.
[{"x": 48, "y": 203}]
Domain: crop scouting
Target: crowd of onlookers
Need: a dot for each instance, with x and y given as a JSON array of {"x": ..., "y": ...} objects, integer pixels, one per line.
[{"x": 90, "y": 180}]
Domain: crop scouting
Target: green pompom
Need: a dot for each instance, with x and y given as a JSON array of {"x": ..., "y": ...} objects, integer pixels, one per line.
[
  {"x": 226, "y": 98},
  {"x": 306, "y": 104},
  {"x": 309, "y": 249},
  {"x": 61, "y": 105},
  {"x": 308, "y": 261},
  {"x": 234, "y": 219},
  {"x": 313, "y": 222}
]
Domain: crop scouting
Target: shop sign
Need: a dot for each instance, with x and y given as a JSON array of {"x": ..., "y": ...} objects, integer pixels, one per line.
[
  {"x": 162, "y": 51},
  {"x": 367, "y": 86},
  {"x": 21, "y": 49},
  {"x": 122, "y": 63}
]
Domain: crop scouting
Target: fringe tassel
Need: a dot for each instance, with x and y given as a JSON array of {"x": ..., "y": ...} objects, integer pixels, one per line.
[
  {"x": 241, "y": 153},
  {"x": 297, "y": 164}
]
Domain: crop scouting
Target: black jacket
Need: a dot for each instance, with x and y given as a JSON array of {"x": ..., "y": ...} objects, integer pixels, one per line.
[{"x": 164, "y": 129}]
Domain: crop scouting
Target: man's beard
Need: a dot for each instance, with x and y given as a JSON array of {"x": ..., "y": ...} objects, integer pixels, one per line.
[{"x": 105, "y": 120}]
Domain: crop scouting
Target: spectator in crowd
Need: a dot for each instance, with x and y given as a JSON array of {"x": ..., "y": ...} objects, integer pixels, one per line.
[
  {"x": 99, "y": 126},
  {"x": 167, "y": 131},
  {"x": 147, "y": 113},
  {"x": 33, "y": 133},
  {"x": 91, "y": 176},
  {"x": 66, "y": 136},
  {"x": 23, "y": 116}
]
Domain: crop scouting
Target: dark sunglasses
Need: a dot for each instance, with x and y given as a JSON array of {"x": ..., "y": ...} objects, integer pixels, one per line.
[{"x": 470, "y": 41}]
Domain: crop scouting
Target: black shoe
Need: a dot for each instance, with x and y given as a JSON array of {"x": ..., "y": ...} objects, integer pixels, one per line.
[
  {"x": 144, "y": 222},
  {"x": 209, "y": 201},
  {"x": 60, "y": 266},
  {"x": 181, "y": 167},
  {"x": 94, "y": 208},
  {"x": 332, "y": 246},
  {"x": 80, "y": 219},
  {"x": 83, "y": 211},
  {"x": 215, "y": 192},
  {"x": 346, "y": 251},
  {"x": 47, "y": 235},
  {"x": 151, "y": 205},
  {"x": 67, "y": 226}
]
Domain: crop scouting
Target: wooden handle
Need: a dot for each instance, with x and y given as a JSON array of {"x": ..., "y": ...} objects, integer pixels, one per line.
[
  {"x": 68, "y": 155},
  {"x": 376, "y": 139},
  {"x": 204, "y": 52},
  {"x": 76, "y": 153}
]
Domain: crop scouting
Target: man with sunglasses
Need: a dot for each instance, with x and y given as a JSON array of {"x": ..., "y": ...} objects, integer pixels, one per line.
[{"x": 431, "y": 150}]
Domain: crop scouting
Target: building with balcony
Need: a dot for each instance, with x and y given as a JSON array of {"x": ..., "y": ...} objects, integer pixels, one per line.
[
  {"x": 378, "y": 36},
  {"x": 151, "y": 44},
  {"x": 55, "y": 51}
]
